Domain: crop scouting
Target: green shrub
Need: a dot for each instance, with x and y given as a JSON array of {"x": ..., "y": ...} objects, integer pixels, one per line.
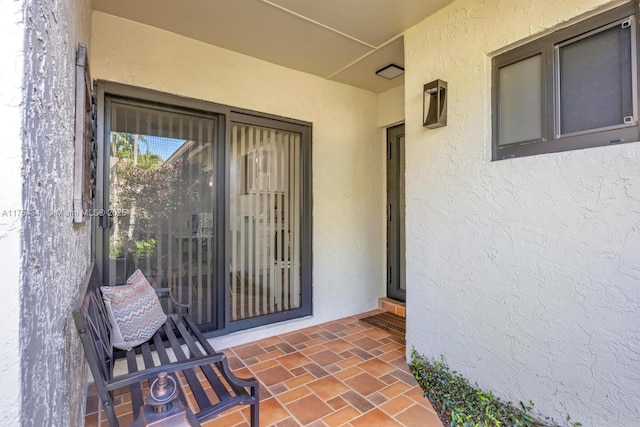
[{"x": 460, "y": 404}]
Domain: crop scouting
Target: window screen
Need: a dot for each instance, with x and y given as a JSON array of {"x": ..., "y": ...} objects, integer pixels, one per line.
[
  {"x": 595, "y": 85},
  {"x": 161, "y": 182}
]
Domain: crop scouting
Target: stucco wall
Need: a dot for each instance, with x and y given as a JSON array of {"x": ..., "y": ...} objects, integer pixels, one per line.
[
  {"x": 11, "y": 70},
  {"x": 347, "y": 165},
  {"x": 524, "y": 273},
  {"x": 391, "y": 107},
  {"x": 54, "y": 252}
]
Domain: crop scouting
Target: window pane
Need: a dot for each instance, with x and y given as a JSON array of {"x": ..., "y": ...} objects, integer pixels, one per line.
[
  {"x": 595, "y": 81},
  {"x": 265, "y": 208},
  {"x": 161, "y": 180},
  {"x": 520, "y": 101}
]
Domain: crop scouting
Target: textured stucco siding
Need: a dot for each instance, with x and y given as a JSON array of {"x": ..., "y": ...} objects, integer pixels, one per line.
[
  {"x": 11, "y": 70},
  {"x": 524, "y": 273},
  {"x": 54, "y": 252},
  {"x": 348, "y": 248},
  {"x": 391, "y": 107}
]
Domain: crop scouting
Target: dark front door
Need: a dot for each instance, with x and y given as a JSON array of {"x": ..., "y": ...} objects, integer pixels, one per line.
[{"x": 395, "y": 214}]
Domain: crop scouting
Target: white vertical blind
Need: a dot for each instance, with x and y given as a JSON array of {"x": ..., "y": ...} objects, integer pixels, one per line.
[{"x": 265, "y": 221}]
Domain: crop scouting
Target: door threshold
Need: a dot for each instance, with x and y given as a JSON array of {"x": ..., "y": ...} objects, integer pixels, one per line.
[{"x": 392, "y": 306}]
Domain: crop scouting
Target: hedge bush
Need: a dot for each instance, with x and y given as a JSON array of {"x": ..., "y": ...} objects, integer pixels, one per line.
[{"x": 460, "y": 404}]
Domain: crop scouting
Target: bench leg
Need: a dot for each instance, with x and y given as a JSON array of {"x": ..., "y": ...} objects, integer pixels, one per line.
[
  {"x": 255, "y": 414},
  {"x": 255, "y": 406},
  {"x": 111, "y": 414}
]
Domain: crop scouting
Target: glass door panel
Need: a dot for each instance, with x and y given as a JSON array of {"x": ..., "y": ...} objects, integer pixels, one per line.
[
  {"x": 161, "y": 190},
  {"x": 265, "y": 221}
]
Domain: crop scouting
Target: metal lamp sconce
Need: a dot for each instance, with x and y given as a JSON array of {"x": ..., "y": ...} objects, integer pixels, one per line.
[{"x": 434, "y": 103}]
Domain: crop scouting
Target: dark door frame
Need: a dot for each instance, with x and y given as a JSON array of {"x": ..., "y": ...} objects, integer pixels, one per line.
[
  {"x": 106, "y": 90},
  {"x": 395, "y": 272}
]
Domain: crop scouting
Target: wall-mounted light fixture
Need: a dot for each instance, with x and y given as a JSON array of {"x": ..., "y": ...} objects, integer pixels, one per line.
[
  {"x": 391, "y": 71},
  {"x": 434, "y": 104}
]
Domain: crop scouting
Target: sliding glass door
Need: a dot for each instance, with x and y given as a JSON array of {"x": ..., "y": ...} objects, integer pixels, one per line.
[{"x": 209, "y": 201}]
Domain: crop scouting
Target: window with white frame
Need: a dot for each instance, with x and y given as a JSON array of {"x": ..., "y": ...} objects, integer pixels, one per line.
[{"x": 574, "y": 88}]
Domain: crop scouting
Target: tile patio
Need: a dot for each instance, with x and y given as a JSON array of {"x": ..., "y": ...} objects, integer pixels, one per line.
[{"x": 341, "y": 373}]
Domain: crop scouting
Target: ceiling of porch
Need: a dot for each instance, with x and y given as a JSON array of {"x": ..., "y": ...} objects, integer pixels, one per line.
[{"x": 342, "y": 40}]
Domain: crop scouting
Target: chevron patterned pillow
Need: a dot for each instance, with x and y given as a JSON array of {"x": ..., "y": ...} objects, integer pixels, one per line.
[{"x": 134, "y": 311}]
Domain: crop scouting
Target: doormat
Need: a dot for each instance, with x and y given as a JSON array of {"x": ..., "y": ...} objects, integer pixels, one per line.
[{"x": 389, "y": 322}]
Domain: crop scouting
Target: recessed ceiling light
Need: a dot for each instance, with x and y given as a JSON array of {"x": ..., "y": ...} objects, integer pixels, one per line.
[{"x": 391, "y": 71}]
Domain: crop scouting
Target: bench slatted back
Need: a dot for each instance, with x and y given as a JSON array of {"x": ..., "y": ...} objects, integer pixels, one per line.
[{"x": 91, "y": 320}]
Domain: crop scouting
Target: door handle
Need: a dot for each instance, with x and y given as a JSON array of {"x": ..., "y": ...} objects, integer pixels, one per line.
[{"x": 105, "y": 220}]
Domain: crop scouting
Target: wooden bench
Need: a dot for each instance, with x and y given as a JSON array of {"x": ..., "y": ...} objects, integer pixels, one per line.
[{"x": 199, "y": 360}]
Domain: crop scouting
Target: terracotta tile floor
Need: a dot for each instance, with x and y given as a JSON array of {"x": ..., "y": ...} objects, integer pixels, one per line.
[{"x": 341, "y": 373}]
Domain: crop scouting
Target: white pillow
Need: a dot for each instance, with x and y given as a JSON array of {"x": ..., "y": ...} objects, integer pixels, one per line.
[{"x": 134, "y": 311}]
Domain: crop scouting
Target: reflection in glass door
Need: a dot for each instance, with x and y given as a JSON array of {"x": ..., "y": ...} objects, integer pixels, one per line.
[
  {"x": 265, "y": 221},
  {"x": 161, "y": 188}
]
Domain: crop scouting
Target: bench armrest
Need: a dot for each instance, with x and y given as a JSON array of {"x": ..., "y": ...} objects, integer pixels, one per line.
[{"x": 169, "y": 293}]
